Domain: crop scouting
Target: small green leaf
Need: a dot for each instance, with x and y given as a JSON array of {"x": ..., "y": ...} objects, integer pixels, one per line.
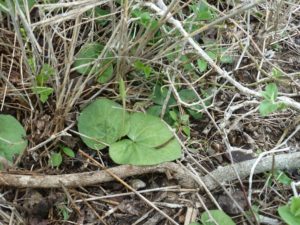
[
  {"x": 202, "y": 11},
  {"x": 145, "y": 18},
  {"x": 202, "y": 65},
  {"x": 69, "y": 152},
  {"x": 219, "y": 216},
  {"x": 173, "y": 115},
  {"x": 43, "y": 92},
  {"x": 287, "y": 216},
  {"x": 102, "y": 123},
  {"x": 101, "y": 12},
  {"x": 146, "y": 69},
  {"x": 226, "y": 59},
  {"x": 270, "y": 92},
  {"x": 159, "y": 95},
  {"x": 196, "y": 115},
  {"x": 185, "y": 118},
  {"x": 282, "y": 178},
  {"x": 266, "y": 107},
  {"x": 12, "y": 137},
  {"x": 212, "y": 55},
  {"x": 187, "y": 130},
  {"x": 56, "y": 159},
  {"x": 139, "y": 65},
  {"x": 46, "y": 72}
]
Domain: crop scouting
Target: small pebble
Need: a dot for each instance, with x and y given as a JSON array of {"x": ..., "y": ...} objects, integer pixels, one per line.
[{"x": 137, "y": 184}]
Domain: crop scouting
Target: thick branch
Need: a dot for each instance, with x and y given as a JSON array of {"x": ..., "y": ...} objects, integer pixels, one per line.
[{"x": 219, "y": 176}]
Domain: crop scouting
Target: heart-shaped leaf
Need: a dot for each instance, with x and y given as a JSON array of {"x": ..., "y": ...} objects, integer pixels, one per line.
[
  {"x": 148, "y": 130},
  {"x": 12, "y": 136},
  {"x": 102, "y": 123},
  {"x": 151, "y": 142}
]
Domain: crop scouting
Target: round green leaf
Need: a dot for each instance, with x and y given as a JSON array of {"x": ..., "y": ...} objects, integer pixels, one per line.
[
  {"x": 148, "y": 130},
  {"x": 102, "y": 123},
  {"x": 56, "y": 159},
  {"x": 136, "y": 153},
  {"x": 86, "y": 56},
  {"x": 219, "y": 216},
  {"x": 12, "y": 136}
]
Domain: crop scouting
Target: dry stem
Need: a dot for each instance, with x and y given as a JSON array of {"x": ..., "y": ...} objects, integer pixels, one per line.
[{"x": 222, "y": 174}]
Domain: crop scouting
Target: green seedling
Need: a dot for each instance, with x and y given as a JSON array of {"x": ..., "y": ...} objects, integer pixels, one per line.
[
  {"x": 181, "y": 122},
  {"x": 136, "y": 138},
  {"x": 144, "y": 18},
  {"x": 41, "y": 80},
  {"x": 290, "y": 213},
  {"x": 141, "y": 67},
  {"x": 269, "y": 104},
  {"x": 64, "y": 211},
  {"x": 12, "y": 137},
  {"x": 202, "y": 12},
  {"x": 56, "y": 158}
]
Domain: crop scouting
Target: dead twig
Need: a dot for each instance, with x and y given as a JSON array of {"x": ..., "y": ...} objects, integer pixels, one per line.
[{"x": 212, "y": 180}]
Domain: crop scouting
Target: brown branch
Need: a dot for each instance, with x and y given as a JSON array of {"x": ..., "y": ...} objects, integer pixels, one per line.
[{"x": 212, "y": 180}]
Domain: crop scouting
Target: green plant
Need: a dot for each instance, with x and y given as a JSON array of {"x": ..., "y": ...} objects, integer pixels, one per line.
[
  {"x": 86, "y": 57},
  {"x": 290, "y": 213},
  {"x": 41, "y": 80},
  {"x": 141, "y": 67},
  {"x": 12, "y": 137},
  {"x": 56, "y": 157},
  {"x": 4, "y": 7},
  {"x": 136, "y": 139},
  {"x": 269, "y": 104},
  {"x": 202, "y": 12},
  {"x": 218, "y": 217},
  {"x": 181, "y": 122},
  {"x": 144, "y": 18},
  {"x": 64, "y": 211},
  {"x": 280, "y": 177}
]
